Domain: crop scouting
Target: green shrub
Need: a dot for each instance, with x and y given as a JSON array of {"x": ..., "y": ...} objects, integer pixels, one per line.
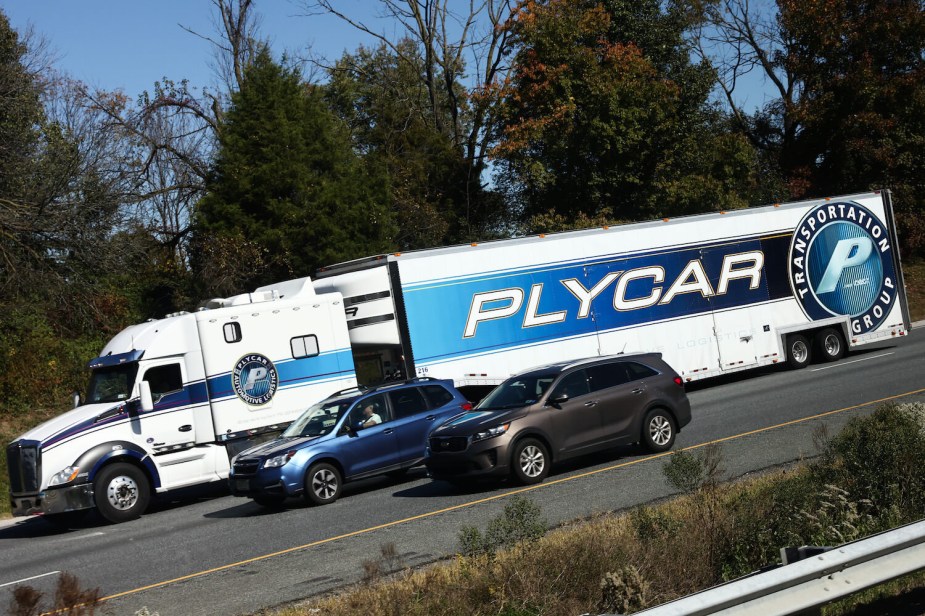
[{"x": 519, "y": 522}]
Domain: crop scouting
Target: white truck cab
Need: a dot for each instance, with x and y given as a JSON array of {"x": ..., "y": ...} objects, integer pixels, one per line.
[{"x": 170, "y": 401}]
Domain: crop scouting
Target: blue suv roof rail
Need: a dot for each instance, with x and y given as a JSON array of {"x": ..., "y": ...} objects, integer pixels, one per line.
[{"x": 358, "y": 389}]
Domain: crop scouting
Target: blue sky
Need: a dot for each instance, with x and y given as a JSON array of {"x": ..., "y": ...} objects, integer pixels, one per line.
[{"x": 130, "y": 44}]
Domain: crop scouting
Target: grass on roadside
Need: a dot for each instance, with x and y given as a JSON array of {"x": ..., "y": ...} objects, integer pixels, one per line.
[{"x": 867, "y": 479}]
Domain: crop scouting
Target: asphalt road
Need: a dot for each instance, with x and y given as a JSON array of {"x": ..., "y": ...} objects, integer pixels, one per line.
[{"x": 215, "y": 554}]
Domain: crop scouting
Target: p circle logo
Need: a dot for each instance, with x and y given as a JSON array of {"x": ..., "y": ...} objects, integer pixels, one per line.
[
  {"x": 254, "y": 379},
  {"x": 841, "y": 264}
]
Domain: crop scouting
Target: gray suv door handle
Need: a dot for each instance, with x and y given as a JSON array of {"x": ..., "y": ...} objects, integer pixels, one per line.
[
  {"x": 638, "y": 390},
  {"x": 591, "y": 403}
]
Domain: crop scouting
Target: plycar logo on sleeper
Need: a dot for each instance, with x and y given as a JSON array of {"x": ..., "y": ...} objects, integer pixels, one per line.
[
  {"x": 254, "y": 379},
  {"x": 841, "y": 264}
]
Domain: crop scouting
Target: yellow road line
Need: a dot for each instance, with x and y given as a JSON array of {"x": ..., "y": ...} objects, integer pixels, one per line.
[{"x": 496, "y": 497}]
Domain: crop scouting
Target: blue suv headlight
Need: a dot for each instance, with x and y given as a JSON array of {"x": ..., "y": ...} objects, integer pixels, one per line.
[{"x": 280, "y": 460}]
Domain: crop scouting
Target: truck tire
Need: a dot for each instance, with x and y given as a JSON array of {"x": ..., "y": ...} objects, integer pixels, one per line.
[
  {"x": 658, "y": 430},
  {"x": 798, "y": 351},
  {"x": 322, "y": 484},
  {"x": 530, "y": 461},
  {"x": 122, "y": 492},
  {"x": 830, "y": 344}
]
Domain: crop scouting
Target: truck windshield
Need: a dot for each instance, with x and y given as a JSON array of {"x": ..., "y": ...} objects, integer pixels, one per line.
[
  {"x": 518, "y": 391},
  {"x": 319, "y": 419},
  {"x": 112, "y": 383}
]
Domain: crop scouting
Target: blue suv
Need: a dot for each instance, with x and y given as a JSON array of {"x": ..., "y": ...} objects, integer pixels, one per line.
[{"x": 352, "y": 434}]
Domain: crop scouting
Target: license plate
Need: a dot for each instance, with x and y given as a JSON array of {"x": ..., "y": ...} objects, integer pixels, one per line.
[{"x": 242, "y": 485}]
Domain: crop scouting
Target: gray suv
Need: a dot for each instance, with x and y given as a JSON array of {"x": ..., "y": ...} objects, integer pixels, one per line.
[{"x": 560, "y": 411}]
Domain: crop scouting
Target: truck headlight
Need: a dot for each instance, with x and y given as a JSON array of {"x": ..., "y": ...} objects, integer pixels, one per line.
[
  {"x": 491, "y": 432},
  {"x": 280, "y": 460},
  {"x": 65, "y": 475}
]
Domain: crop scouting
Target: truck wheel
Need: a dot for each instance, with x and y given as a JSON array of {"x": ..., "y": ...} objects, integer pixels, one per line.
[
  {"x": 530, "y": 461},
  {"x": 121, "y": 492},
  {"x": 798, "y": 351},
  {"x": 831, "y": 344},
  {"x": 658, "y": 430},
  {"x": 322, "y": 484}
]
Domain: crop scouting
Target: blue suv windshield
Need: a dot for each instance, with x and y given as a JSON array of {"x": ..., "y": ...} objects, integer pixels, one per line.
[{"x": 319, "y": 419}]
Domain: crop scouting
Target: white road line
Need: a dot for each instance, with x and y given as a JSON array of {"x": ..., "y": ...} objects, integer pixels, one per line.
[
  {"x": 845, "y": 363},
  {"x": 34, "y": 577}
]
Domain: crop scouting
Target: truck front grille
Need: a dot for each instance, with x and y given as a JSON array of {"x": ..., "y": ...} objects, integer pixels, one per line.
[{"x": 25, "y": 467}]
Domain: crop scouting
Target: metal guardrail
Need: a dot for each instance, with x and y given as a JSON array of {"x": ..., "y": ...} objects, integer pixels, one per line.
[{"x": 811, "y": 582}]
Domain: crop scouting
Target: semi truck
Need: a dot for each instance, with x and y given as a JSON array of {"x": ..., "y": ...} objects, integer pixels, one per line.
[{"x": 172, "y": 400}]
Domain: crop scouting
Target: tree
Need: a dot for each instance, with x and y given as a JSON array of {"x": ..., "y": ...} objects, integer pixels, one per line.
[
  {"x": 607, "y": 117},
  {"x": 850, "y": 82},
  {"x": 456, "y": 62},
  {"x": 287, "y": 187},
  {"x": 380, "y": 97}
]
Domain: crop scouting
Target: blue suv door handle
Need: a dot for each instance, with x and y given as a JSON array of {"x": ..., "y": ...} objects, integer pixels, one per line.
[
  {"x": 430, "y": 417},
  {"x": 387, "y": 431}
]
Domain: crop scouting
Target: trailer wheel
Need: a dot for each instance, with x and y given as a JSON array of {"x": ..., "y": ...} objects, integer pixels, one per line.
[
  {"x": 530, "y": 461},
  {"x": 658, "y": 430},
  {"x": 121, "y": 492},
  {"x": 831, "y": 344},
  {"x": 798, "y": 351},
  {"x": 322, "y": 484}
]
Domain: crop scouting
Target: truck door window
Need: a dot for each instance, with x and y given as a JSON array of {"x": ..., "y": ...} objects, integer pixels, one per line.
[
  {"x": 232, "y": 332},
  {"x": 304, "y": 346},
  {"x": 164, "y": 380},
  {"x": 407, "y": 402}
]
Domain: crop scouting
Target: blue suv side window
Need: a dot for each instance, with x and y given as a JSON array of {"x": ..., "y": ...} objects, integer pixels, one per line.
[
  {"x": 369, "y": 412},
  {"x": 437, "y": 396},
  {"x": 407, "y": 402}
]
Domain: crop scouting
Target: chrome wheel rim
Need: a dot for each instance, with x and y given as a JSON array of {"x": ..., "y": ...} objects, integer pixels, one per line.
[
  {"x": 800, "y": 351},
  {"x": 660, "y": 430},
  {"x": 122, "y": 493},
  {"x": 532, "y": 461},
  {"x": 324, "y": 484},
  {"x": 832, "y": 345}
]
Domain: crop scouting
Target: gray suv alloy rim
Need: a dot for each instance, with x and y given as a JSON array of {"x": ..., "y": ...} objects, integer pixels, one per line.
[
  {"x": 660, "y": 430},
  {"x": 324, "y": 484},
  {"x": 532, "y": 461},
  {"x": 122, "y": 492}
]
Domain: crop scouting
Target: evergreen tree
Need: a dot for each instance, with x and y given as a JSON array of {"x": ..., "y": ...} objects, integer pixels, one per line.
[{"x": 288, "y": 193}]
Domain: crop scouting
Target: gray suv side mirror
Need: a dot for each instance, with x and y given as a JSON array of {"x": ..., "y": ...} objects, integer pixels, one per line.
[{"x": 559, "y": 399}]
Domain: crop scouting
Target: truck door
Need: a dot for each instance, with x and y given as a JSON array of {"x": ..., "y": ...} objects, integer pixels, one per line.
[
  {"x": 735, "y": 325},
  {"x": 170, "y": 426}
]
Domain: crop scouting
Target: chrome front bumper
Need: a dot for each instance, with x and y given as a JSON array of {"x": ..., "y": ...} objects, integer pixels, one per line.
[{"x": 60, "y": 500}]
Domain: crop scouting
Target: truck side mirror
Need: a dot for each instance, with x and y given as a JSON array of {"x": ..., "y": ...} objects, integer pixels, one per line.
[
  {"x": 144, "y": 393},
  {"x": 77, "y": 400}
]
